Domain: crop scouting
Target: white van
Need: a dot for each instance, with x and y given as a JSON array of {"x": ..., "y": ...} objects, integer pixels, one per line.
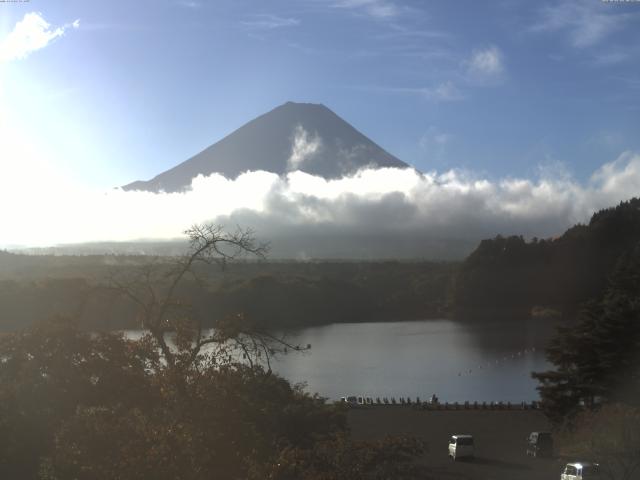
[
  {"x": 351, "y": 401},
  {"x": 580, "y": 471},
  {"x": 461, "y": 446}
]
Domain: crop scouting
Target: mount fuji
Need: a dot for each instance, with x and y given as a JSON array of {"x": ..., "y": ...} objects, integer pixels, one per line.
[{"x": 294, "y": 136}]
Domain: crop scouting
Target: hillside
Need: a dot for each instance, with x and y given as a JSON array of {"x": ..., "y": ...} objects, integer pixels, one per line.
[{"x": 511, "y": 274}]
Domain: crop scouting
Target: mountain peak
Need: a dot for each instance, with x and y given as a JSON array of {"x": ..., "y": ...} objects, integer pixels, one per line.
[
  {"x": 292, "y": 136},
  {"x": 301, "y": 104}
]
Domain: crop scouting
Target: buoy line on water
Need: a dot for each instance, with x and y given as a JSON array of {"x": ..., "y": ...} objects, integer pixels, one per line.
[{"x": 497, "y": 362}]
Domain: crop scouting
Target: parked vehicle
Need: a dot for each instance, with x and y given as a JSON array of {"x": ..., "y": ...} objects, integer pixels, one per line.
[
  {"x": 580, "y": 471},
  {"x": 461, "y": 446},
  {"x": 540, "y": 444},
  {"x": 352, "y": 401}
]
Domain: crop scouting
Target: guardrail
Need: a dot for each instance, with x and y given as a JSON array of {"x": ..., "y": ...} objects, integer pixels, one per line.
[{"x": 418, "y": 404}]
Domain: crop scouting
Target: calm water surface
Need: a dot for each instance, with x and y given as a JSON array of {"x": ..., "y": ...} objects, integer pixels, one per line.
[
  {"x": 457, "y": 361},
  {"x": 481, "y": 361}
]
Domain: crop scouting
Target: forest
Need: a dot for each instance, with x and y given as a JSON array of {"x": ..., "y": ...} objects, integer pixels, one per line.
[
  {"x": 275, "y": 294},
  {"x": 511, "y": 275}
]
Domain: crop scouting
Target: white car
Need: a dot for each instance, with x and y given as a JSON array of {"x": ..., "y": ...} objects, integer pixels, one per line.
[
  {"x": 351, "y": 400},
  {"x": 580, "y": 471},
  {"x": 461, "y": 446}
]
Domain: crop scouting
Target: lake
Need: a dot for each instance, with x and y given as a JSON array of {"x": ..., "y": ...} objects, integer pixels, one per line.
[
  {"x": 457, "y": 361},
  {"x": 480, "y": 361}
]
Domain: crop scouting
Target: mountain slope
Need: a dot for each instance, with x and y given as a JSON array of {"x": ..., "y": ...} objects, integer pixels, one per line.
[{"x": 293, "y": 136}]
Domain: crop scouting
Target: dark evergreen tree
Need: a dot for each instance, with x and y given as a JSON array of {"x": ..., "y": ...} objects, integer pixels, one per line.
[{"x": 598, "y": 359}]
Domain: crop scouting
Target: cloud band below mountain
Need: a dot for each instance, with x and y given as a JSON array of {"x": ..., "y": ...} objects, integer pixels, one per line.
[{"x": 384, "y": 213}]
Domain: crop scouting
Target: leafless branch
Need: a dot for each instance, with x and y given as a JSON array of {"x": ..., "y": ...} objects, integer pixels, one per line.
[{"x": 153, "y": 289}]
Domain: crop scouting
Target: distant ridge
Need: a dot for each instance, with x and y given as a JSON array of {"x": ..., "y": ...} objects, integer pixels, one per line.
[{"x": 294, "y": 136}]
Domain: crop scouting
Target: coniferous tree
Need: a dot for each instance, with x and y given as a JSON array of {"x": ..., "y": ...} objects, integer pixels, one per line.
[{"x": 598, "y": 359}]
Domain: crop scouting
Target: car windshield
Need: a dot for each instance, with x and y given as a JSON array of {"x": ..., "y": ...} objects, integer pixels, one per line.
[{"x": 544, "y": 439}]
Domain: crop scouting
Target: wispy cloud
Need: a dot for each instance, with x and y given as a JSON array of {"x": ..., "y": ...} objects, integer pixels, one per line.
[
  {"x": 193, "y": 4},
  {"x": 607, "y": 59},
  {"x": 585, "y": 22},
  {"x": 31, "y": 33},
  {"x": 381, "y": 9},
  {"x": 434, "y": 143},
  {"x": 485, "y": 65},
  {"x": 403, "y": 31},
  {"x": 442, "y": 92},
  {"x": 268, "y": 21},
  {"x": 303, "y": 148},
  {"x": 610, "y": 54},
  {"x": 629, "y": 82}
]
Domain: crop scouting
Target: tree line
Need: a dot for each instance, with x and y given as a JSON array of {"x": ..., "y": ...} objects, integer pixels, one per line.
[
  {"x": 275, "y": 294},
  {"x": 514, "y": 275},
  {"x": 592, "y": 393}
]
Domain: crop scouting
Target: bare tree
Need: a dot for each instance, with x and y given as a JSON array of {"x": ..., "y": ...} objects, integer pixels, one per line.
[{"x": 155, "y": 290}]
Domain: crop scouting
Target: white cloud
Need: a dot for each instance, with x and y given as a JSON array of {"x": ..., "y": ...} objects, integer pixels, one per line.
[
  {"x": 270, "y": 22},
  {"x": 444, "y": 92},
  {"x": 31, "y": 33},
  {"x": 485, "y": 64},
  {"x": 619, "y": 176},
  {"x": 373, "y": 212},
  {"x": 380, "y": 9},
  {"x": 585, "y": 22},
  {"x": 303, "y": 148}
]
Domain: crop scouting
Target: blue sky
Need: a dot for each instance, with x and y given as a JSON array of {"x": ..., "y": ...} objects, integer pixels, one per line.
[
  {"x": 500, "y": 88},
  {"x": 530, "y": 109}
]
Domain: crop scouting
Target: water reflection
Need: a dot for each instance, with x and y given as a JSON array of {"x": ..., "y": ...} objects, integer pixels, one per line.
[{"x": 457, "y": 361}]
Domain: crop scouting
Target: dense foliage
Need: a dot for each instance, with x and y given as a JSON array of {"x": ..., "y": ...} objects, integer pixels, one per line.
[
  {"x": 75, "y": 405},
  {"x": 511, "y": 274},
  {"x": 597, "y": 360}
]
